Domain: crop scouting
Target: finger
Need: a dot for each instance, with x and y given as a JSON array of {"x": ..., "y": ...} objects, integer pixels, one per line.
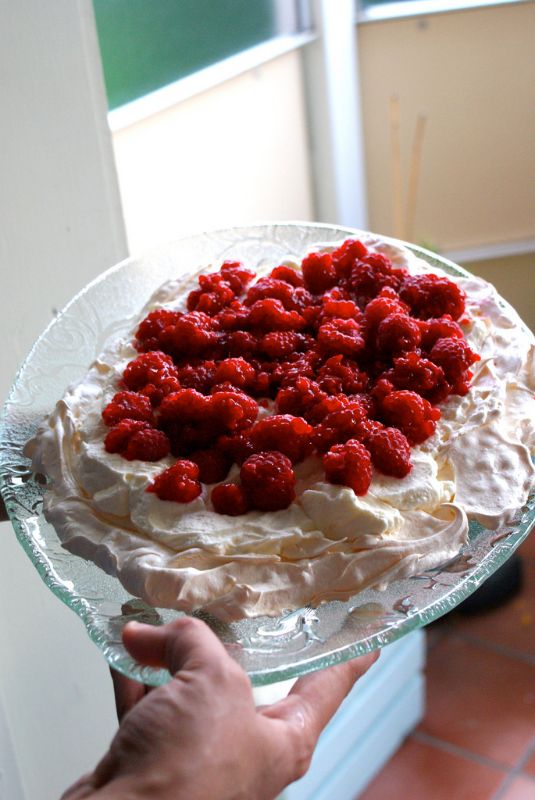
[
  {"x": 186, "y": 643},
  {"x": 127, "y": 693},
  {"x": 315, "y": 698}
]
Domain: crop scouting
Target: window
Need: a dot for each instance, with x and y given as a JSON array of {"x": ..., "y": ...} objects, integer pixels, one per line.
[{"x": 147, "y": 45}]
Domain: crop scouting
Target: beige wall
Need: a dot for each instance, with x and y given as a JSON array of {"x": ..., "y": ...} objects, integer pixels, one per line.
[
  {"x": 234, "y": 154},
  {"x": 514, "y": 278},
  {"x": 472, "y": 73}
]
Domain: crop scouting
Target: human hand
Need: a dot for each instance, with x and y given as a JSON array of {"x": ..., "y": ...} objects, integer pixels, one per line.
[{"x": 200, "y": 736}]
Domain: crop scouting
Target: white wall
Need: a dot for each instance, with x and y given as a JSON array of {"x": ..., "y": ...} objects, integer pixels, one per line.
[
  {"x": 61, "y": 226},
  {"x": 234, "y": 154}
]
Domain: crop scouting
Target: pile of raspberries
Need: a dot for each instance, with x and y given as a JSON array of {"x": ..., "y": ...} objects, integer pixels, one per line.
[{"x": 347, "y": 358}]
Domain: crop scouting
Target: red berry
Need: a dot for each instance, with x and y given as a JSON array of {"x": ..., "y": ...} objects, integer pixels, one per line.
[
  {"x": 379, "y": 309},
  {"x": 349, "y": 464},
  {"x": 413, "y": 415},
  {"x": 411, "y": 371},
  {"x": 442, "y": 328},
  {"x": 148, "y": 444},
  {"x": 341, "y": 336},
  {"x": 347, "y": 422},
  {"x": 279, "y": 344},
  {"x": 236, "y": 275},
  {"x": 150, "y": 330},
  {"x": 117, "y": 437},
  {"x": 288, "y": 274},
  {"x": 270, "y": 315},
  {"x": 319, "y": 272},
  {"x": 390, "y": 452},
  {"x": 186, "y": 405},
  {"x": 180, "y": 483},
  {"x": 284, "y": 433},
  {"x": 298, "y": 398},
  {"x": 235, "y": 371},
  {"x": 346, "y": 255},
  {"x": 233, "y": 410},
  {"x": 198, "y": 376},
  {"x": 340, "y": 374},
  {"x": 240, "y": 343},
  {"x": 214, "y": 464},
  {"x": 398, "y": 333},
  {"x": 432, "y": 296},
  {"x": 127, "y": 405},
  {"x": 230, "y": 499},
  {"x": 268, "y": 481},
  {"x": 454, "y": 356},
  {"x": 272, "y": 288}
]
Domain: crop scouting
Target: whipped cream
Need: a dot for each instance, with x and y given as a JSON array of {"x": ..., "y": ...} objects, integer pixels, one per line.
[{"x": 329, "y": 544}]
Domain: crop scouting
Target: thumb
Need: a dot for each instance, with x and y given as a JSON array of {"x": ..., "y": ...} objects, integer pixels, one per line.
[{"x": 184, "y": 644}]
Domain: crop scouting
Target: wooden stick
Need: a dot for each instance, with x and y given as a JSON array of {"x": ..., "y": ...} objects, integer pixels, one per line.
[
  {"x": 397, "y": 184},
  {"x": 414, "y": 175}
]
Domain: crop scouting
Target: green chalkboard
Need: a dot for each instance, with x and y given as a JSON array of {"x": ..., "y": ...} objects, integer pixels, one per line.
[{"x": 146, "y": 44}]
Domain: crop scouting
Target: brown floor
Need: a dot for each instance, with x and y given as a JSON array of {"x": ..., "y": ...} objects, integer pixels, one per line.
[{"x": 477, "y": 740}]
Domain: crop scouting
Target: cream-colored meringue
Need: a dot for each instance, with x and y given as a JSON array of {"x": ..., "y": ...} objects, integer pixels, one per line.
[{"x": 330, "y": 543}]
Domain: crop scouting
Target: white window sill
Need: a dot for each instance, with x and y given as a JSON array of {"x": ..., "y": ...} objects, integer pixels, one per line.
[
  {"x": 204, "y": 79},
  {"x": 414, "y": 8}
]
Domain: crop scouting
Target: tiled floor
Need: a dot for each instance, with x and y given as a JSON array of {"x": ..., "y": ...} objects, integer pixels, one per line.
[{"x": 477, "y": 740}]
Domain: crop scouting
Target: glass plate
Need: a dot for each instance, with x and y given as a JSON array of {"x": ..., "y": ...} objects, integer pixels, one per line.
[{"x": 269, "y": 649}]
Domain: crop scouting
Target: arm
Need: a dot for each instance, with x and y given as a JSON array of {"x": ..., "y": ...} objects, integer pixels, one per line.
[{"x": 200, "y": 736}]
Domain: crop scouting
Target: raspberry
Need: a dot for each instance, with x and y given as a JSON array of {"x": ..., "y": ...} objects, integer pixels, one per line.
[
  {"x": 213, "y": 464},
  {"x": 268, "y": 481},
  {"x": 151, "y": 328},
  {"x": 236, "y": 275},
  {"x": 180, "y": 483},
  {"x": 233, "y": 410},
  {"x": 443, "y": 328},
  {"x": 147, "y": 444},
  {"x": 237, "y": 447},
  {"x": 279, "y": 344},
  {"x": 349, "y": 464},
  {"x": 414, "y": 416},
  {"x": 340, "y": 336},
  {"x": 432, "y": 296},
  {"x": 191, "y": 336},
  {"x": 319, "y": 272},
  {"x": 340, "y": 374},
  {"x": 233, "y": 317},
  {"x": 397, "y": 333},
  {"x": 420, "y": 375},
  {"x": 454, "y": 356},
  {"x": 235, "y": 371},
  {"x": 230, "y": 499},
  {"x": 345, "y": 256},
  {"x": 117, "y": 437},
  {"x": 284, "y": 433},
  {"x": 343, "y": 309},
  {"x": 298, "y": 398},
  {"x": 214, "y": 294},
  {"x": 288, "y": 274},
  {"x": 390, "y": 452},
  {"x": 348, "y": 422},
  {"x": 379, "y": 309},
  {"x": 271, "y": 288},
  {"x": 270, "y": 315},
  {"x": 371, "y": 274},
  {"x": 198, "y": 376},
  {"x": 240, "y": 343},
  {"x": 127, "y": 405},
  {"x": 186, "y": 405}
]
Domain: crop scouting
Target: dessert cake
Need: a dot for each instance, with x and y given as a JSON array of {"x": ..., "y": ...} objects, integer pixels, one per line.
[{"x": 265, "y": 441}]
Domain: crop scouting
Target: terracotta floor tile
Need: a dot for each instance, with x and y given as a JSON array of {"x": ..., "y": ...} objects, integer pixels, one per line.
[
  {"x": 521, "y": 789},
  {"x": 513, "y": 624},
  {"x": 530, "y": 766},
  {"x": 419, "y": 771},
  {"x": 480, "y": 700}
]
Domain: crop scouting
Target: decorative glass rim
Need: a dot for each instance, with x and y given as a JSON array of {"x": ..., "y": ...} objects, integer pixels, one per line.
[{"x": 375, "y": 627}]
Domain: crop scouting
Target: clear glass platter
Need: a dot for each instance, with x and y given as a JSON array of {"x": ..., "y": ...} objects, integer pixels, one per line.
[{"x": 269, "y": 649}]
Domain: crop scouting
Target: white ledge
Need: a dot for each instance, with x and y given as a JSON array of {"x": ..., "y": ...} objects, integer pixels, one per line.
[
  {"x": 413, "y": 8},
  {"x": 204, "y": 79},
  {"x": 515, "y": 247}
]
